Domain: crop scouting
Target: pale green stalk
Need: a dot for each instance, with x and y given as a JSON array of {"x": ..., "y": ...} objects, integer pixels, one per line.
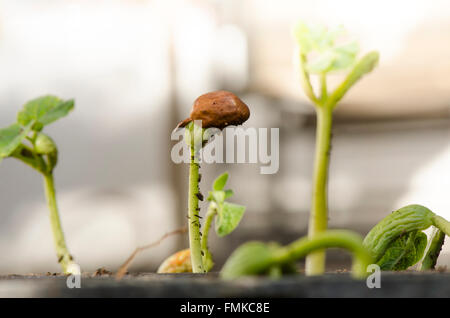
[
  {"x": 64, "y": 257},
  {"x": 194, "y": 218},
  {"x": 207, "y": 257},
  {"x": 318, "y": 220}
]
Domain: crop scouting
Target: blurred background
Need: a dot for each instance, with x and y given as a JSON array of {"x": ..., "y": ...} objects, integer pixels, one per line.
[{"x": 134, "y": 68}]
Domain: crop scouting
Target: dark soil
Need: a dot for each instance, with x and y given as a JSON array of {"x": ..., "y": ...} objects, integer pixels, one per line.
[{"x": 103, "y": 284}]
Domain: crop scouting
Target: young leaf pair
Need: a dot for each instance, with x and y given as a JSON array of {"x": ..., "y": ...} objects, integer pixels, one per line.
[{"x": 25, "y": 141}]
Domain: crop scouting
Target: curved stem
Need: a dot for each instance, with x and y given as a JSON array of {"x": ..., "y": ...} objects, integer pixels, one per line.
[
  {"x": 64, "y": 257},
  {"x": 207, "y": 257},
  {"x": 329, "y": 239},
  {"x": 318, "y": 221},
  {"x": 305, "y": 80},
  {"x": 441, "y": 223},
  {"x": 194, "y": 218},
  {"x": 436, "y": 241}
]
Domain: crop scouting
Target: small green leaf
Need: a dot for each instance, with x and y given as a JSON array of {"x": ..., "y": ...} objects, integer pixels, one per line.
[
  {"x": 44, "y": 110},
  {"x": 334, "y": 59},
  {"x": 11, "y": 137},
  {"x": 218, "y": 195},
  {"x": 228, "y": 218},
  {"x": 303, "y": 37},
  {"x": 316, "y": 37},
  {"x": 58, "y": 112},
  {"x": 228, "y": 193},
  {"x": 363, "y": 67},
  {"x": 328, "y": 56},
  {"x": 220, "y": 182},
  {"x": 345, "y": 56}
]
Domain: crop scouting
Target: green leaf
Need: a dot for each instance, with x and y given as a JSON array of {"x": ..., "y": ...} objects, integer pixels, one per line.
[
  {"x": 220, "y": 182},
  {"x": 345, "y": 56},
  {"x": 58, "y": 112},
  {"x": 363, "y": 67},
  {"x": 228, "y": 193},
  {"x": 312, "y": 37},
  {"x": 11, "y": 137},
  {"x": 327, "y": 57},
  {"x": 44, "y": 110},
  {"x": 228, "y": 218},
  {"x": 334, "y": 59},
  {"x": 404, "y": 252},
  {"x": 218, "y": 195},
  {"x": 322, "y": 63}
]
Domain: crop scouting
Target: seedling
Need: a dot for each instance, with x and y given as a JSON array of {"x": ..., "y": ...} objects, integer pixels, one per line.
[
  {"x": 226, "y": 217},
  {"x": 397, "y": 242},
  {"x": 25, "y": 141},
  {"x": 213, "y": 110},
  {"x": 258, "y": 258},
  {"x": 319, "y": 55}
]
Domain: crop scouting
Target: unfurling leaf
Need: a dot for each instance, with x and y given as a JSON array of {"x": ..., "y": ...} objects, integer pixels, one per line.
[
  {"x": 43, "y": 111},
  {"x": 228, "y": 218},
  {"x": 11, "y": 137},
  {"x": 411, "y": 218}
]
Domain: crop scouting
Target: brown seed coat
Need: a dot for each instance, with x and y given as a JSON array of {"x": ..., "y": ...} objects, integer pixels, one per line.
[{"x": 218, "y": 109}]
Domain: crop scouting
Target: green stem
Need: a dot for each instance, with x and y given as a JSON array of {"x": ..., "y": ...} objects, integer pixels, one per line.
[
  {"x": 207, "y": 257},
  {"x": 64, "y": 257},
  {"x": 305, "y": 80},
  {"x": 441, "y": 223},
  {"x": 318, "y": 222},
  {"x": 329, "y": 239},
  {"x": 194, "y": 218},
  {"x": 436, "y": 242}
]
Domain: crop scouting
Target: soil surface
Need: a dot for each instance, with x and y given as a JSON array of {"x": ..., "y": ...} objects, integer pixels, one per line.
[{"x": 104, "y": 284}]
